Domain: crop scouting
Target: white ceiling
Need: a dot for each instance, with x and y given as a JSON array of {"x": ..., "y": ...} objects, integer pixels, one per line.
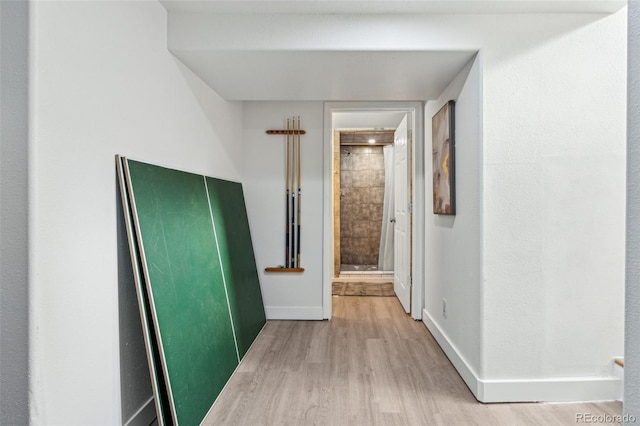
[
  {"x": 241, "y": 73},
  {"x": 393, "y": 6},
  {"x": 326, "y": 75},
  {"x": 367, "y": 120}
]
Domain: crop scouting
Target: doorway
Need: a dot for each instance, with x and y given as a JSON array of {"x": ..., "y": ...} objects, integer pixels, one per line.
[
  {"x": 363, "y": 203},
  {"x": 354, "y": 177}
]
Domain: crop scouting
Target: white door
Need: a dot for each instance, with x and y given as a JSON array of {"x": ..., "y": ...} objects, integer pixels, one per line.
[{"x": 402, "y": 234}]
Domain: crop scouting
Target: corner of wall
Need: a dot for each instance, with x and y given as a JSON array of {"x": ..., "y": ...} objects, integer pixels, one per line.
[
  {"x": 14, "y": 213},
  {"x": 454, "y": 240},
  {"x": 458, "y": 360},
  {"x": 632, "y": 293}
]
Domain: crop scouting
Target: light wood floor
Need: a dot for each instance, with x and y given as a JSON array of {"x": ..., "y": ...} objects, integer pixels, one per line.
[{"x": 370, "y": 365}]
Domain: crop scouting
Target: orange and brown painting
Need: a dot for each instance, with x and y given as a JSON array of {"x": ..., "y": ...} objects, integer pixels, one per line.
[{"x": 443, "y": 164}]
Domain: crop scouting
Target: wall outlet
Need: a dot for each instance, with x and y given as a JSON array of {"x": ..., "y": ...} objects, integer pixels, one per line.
[{"x": 444, "y": 308}]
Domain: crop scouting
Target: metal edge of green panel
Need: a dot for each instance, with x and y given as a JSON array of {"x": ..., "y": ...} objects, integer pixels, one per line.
[
  {"x": 144, "y": 300},
  {"x": 157, "y": 380}
]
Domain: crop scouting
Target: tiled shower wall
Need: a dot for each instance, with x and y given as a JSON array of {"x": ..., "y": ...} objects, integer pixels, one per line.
[{"x": 361, "y": 199}]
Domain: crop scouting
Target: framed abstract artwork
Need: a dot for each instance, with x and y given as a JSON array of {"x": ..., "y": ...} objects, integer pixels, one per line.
[{"x": 444, "y": 182}]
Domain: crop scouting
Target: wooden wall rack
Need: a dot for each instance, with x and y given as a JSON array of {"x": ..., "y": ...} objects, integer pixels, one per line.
[
  {"x": 293, "y": 196},
  {"x": 286, "y": 132}
]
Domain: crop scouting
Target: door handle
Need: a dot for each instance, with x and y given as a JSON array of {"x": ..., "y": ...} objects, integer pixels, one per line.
[{"x": 392, "y": 220}]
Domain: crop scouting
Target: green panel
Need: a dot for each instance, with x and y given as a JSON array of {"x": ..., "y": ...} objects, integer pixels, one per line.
[
  {"x": 238, "y": 261},
  {"x": 185, "y": 282}
]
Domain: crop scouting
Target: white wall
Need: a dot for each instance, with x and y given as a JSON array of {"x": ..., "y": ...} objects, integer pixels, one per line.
[
  {"x": 543, "y": 266},
  {"x": 290, "y": 295},
  {"x": 14, "y": 133},
  {"x": 553, "y": 211},
  {"x": 632, "y": 318},
  {"x": 552, "y": 200},
  {"x": 102, "y": 83},
  {"x": 452, "y": 241}
]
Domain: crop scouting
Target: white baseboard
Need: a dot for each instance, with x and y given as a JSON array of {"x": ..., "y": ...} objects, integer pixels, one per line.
[
  {"x": 144, "y": 416},
  {"x": 618, "y": 372},
  {"x": 522, "y": 390},
  {"x": 293, "y": 312},
  {"x": 464, "y": 369},
  {"x": 572, "y": 389}
]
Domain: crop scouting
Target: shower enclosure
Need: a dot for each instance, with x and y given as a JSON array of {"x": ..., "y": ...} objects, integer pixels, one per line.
[{"x": 365, "y": 241}]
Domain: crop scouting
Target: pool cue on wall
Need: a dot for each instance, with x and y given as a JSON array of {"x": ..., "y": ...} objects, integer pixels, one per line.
[
  {"x": 294, "y": 258},
  {"x": 288, "y": 203},
  {"x": 292, "y": 252},
  {"x": 299, "y": 195},
  {"x": 294, "y": 171},
  {"x": 292, "y": 196}
]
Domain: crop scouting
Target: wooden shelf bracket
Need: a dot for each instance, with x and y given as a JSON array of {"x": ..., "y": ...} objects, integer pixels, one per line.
[{"x": 283, "y": 269}]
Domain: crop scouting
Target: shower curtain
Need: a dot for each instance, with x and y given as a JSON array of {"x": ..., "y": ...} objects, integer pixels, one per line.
[{"x": 385, "y": 256}]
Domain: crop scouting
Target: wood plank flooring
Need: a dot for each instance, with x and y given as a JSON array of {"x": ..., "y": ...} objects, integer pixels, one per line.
[{"x": 370, "y": 365}]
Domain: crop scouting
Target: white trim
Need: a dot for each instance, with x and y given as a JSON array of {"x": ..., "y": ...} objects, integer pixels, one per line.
[
  {"x": 145, "y": 415},
  {"x": 570, "y": 389},
  {"x": 417, "y": 194},
  {"x": 618, "y": 372},
  {"x": 459, "y": 363},
  {"x": 293, "y": 312},
  {"x": 327, "y": 225},
  {"x": 561, "y": 389}
]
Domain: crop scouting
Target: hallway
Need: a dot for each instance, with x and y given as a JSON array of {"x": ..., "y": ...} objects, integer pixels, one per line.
[{"x": 370, "y": 365}]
